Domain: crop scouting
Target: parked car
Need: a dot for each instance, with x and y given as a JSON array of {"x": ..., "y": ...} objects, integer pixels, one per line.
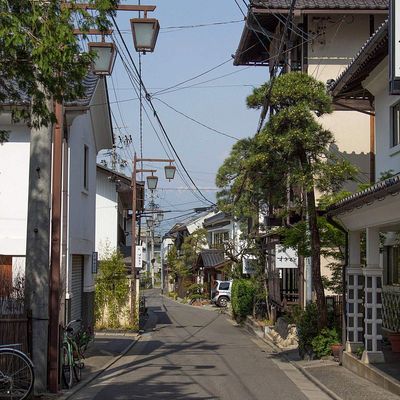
[{"x": 221, "y": 293}]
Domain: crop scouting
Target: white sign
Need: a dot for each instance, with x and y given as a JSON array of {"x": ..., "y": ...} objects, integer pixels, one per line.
[
  {"x": 139, "y": 257},
  {"x": 285, "y": 258},
  {"x": 249, "y": 265}
]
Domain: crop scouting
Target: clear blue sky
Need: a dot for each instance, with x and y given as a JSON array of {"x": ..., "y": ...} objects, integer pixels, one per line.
[{"x": 179, "y": 55}]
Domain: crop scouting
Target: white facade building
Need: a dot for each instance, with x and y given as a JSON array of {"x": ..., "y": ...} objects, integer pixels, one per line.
[{"x": 87, "y": 131}]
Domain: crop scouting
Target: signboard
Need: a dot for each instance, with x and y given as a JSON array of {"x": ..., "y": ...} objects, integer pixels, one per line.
[
  {"x": 285, "y": 258},
  {"x": 95, "y": 257},
  {"x": 394, "y": 47},
  {"x": 249, "y": 265},
  {"x": 139, "y": 257}
]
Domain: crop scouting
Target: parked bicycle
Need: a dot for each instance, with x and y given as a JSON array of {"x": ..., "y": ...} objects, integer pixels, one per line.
[
  {"x": 16, "y": 373},
  {"x": 75, "y": 344}
]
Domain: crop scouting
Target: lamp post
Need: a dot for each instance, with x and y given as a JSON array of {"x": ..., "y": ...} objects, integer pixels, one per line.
[{"x": 152, "y": 181}]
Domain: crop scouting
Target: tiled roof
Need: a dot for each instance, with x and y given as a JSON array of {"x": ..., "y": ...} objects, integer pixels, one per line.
[
  {"x": 361, "y": 63},
  {"x": 211, "y": 258},
  {"x": 375, "y": 192},
  {"x": 90, "y": 83},
  {"x": 325, "y": 4}
]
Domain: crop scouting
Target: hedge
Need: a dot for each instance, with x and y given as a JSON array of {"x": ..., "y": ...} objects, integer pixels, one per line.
[{"x": 242, "y": 298}]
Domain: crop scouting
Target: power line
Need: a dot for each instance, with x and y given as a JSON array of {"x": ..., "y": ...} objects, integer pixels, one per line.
[
  {"x": 148, "y": 98},
  {"x": 240, "y": 8},
  {"x": 194, "y": 77},
  {"x": 130, "y": 76},
  {"x": 196, "y": 121}
]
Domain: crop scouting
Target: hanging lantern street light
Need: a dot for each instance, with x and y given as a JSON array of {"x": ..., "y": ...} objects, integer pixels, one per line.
[
  {"x": 145, "y": 32},
  {"x": 160, "y": 216},
  {"x": 104, "y": 58},
  {"x": 150, "y": 222},
  {"x": 152, "y": 181},
  {"x": 169, "y": 171}
]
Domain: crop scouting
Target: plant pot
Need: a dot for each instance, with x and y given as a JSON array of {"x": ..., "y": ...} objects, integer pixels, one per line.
[
  {"x": 336, "y": 350},
  {"x": 394, "y": 340}
]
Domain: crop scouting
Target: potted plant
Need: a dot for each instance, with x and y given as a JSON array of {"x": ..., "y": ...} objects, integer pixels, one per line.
[
  {"x": 336, "y": 349},
  {"x": 394, "y": 339}
]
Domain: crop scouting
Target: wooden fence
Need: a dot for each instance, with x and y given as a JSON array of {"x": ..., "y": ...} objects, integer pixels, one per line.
[{"x": 15, "y": 327}]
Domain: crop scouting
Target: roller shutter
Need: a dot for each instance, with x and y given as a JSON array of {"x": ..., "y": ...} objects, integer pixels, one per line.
[{"x": 77, "y": 287}]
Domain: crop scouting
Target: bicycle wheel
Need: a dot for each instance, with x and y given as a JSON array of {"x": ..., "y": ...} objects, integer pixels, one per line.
[
  {"x": 67, "y": 367},
  {"x": 16, "y": 374},
  {"x": 77, "y": 372}
]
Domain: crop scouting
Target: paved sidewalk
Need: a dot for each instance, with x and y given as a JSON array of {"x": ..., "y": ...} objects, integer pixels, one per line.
[
  {"x": 338, "y": 382},
  {"x": 106, "y": 349}
]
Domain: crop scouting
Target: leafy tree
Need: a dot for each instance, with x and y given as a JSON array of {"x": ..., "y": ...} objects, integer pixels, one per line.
[
  {"x": 111, "y": 289},
  {"x": 41, "y": 57},
  {"x": 291, "y": 151}
]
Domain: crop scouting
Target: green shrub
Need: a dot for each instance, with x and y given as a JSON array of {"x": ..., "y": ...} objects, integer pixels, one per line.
[
  {"x": 322, "y": 343},
  {"x": 242, "y": 298},
  {"x": 307, "y": 328},
  {"x": 196, "y": 291}
]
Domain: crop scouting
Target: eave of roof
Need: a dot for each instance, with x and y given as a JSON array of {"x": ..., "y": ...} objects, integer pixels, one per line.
[
  {"x": 349, "y": 83},
  {"x": 251, "y": 52},
  {"x": 389, "y": 186},
  {"x": 110, "y": 172},
  {"x": 89, "y": 82},
  {"x": 325, "y": 4}
]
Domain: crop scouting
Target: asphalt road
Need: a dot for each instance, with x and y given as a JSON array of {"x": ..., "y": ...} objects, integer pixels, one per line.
[{"x": 192, "y": 353}]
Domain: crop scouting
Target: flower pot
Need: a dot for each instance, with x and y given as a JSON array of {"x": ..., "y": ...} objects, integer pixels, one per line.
[
  {"x": 394, "y": 340},
  {"x": 336, "y": 350}
]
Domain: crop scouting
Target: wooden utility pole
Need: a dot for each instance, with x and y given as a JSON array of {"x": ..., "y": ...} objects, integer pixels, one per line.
[{"x": 55, "y": 266}]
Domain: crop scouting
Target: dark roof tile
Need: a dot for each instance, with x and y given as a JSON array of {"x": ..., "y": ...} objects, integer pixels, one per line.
[{"x": 325, "y": 4}]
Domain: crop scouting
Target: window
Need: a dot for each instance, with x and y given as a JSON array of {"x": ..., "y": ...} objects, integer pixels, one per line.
[
  {"x": 395, "y": 140},
  {"x": 224, "y": 286},
  {"x": 220, "y": 237},
  {"x": 86, "y": 167}
]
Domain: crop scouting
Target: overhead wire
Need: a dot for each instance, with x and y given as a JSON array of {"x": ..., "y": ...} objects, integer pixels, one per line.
[
  {"x": 169, "y": 154},
  {"x": 148, "y": 98},
  {"x": 196, "y": 121}
]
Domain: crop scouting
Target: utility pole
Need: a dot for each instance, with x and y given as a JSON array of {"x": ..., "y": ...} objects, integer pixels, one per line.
[
  {"x": 169, "y": 174},
  {"x": 37, "y": 249}
]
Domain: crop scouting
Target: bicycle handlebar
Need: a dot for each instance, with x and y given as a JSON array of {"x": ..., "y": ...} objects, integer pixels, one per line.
[{"x": 68, "y": 328}]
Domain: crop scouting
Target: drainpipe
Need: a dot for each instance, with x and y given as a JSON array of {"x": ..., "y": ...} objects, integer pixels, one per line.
[
  {"x": 346, "y": 263},
  {"x": 64, "y": 224}
]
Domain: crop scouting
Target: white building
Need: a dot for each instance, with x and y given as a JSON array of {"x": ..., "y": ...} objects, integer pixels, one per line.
[
  {"x": 86, "y": 132},
  {"x": 373, "y": 294}
]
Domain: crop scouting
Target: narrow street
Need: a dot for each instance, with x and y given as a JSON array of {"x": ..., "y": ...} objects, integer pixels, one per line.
[{"x": 192, "y": 353}]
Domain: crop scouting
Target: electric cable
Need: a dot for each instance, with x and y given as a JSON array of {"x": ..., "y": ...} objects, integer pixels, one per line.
[
  {"x": 196, "y": 121},
  {"x": 149, "y": 119},
  {"x": 148, "y": 98}
]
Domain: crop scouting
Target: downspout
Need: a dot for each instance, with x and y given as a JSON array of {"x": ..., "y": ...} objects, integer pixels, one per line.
[
  {"x": 64, "y": 219},
  {"x": 346, "y": 263}
]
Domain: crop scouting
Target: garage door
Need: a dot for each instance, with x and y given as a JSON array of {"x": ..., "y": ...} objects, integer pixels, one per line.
[{"x": 77, "y": 287}]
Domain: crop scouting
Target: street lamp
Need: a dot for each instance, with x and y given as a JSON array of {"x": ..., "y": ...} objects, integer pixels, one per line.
[
  {"x": 145, "y": 32},
  {"x": 152, "y": 184},
  {"x": 152, "y": 181},
  {"x": 169, "y": 171},
  {"x": 104, "y": 59},
  {"x": 160, "y": 216}
]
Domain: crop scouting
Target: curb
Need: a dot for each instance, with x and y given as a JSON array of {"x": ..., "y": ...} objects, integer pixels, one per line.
[
  {"x": 187, "y": 305},
  {"x": 249, "y": 329},
  {"x": 83, "y": 384}
]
